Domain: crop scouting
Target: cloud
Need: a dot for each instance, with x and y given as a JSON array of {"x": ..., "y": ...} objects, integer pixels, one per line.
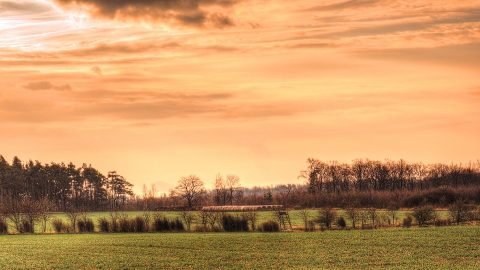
[
  {"x": 459, "y": 55},
  {"x": 412, "y": 23},
  {"x": 46, "y": 85},
  {"x": 196, "y": 13},
  {"x": 344, "y": 5},
  {"x": 16, "y": 6}
]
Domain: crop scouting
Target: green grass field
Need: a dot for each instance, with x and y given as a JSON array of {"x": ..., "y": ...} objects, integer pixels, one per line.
[{"x": 416, "y": 248}]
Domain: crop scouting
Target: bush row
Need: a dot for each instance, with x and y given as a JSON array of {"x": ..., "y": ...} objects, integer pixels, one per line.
[
  {"x": 140, "y": 224},
  {"x": 370, "y": 218}
]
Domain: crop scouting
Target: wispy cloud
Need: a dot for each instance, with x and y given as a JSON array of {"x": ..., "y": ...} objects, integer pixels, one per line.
[
  {"x": 46, "y": 85},
  {"x": 351, "y": 4}
]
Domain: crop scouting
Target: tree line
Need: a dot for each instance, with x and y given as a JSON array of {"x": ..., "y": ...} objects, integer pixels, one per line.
[
  {"x": 369, "y": 175},
  {"x": 63, "y": 186},
  {"x": 362, "y": 183}
]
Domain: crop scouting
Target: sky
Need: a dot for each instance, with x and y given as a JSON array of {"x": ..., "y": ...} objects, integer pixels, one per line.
[{"x": 160, "y": 89}]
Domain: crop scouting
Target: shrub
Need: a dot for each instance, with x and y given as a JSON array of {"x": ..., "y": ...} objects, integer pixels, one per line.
[
  {"x": 125, "y": 225},
  {"x": 162, "y": 224},
  {"x": 59, "y": 226},
  {"x": 81, "y": 226},
  {"x": 26, "y": 226},
  {"x": 476, "y": 214},
  {"x": 424, "y": 215},
  {"x": 104, "y": 225},
  {"x": 140, "y": 224},
  {"x": 407, "y": 221},
  {"x": 461, "y": 212},
  {"x": 232, "y": 223},
  {"x": 178, "y": 225},
  {"x": 114, "y": 222},
  {"x": 3, "y": 226},
  {"x": 310, "y": 226},
  {"x": 327, "y": 217},
  {"x": 270, "y": 226},
  {"x": 85, "y": 225},
  {"x": 89, "y": 225},
  {"x": 341, "y": 223},
  {"x": 442, "y": 222}
]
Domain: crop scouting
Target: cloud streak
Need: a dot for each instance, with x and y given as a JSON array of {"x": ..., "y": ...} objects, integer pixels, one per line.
[
  {"x": 46, "y": 85},
  {"x": 352, "y": 4}
]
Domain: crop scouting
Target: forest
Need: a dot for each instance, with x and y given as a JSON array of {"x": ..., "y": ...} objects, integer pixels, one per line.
[{"x": 63, "y": 186}]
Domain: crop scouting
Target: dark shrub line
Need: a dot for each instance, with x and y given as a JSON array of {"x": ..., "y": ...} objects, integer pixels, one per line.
[
  {"x": 59, "y": 226},
  {"x": 232, "y": 223},
  {"x": 3, "y": 226},
  {"x": 270, "y": 226},
  {"x": 328, "y": 218}
]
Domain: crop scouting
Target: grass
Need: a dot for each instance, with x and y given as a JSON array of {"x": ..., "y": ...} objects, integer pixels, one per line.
[{"x": 417, "y": 248}]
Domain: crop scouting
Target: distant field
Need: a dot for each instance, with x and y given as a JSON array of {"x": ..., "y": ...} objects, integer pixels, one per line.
[
  {"x": 415, "y": 248},
  {"x": 262, "y": 216}
]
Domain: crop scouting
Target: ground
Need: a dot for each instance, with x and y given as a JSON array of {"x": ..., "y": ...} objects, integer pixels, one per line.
[{"x": 454, "y": 247}]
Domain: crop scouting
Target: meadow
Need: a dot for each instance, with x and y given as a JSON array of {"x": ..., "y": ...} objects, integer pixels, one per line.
[{"x": 455, "y": 247}]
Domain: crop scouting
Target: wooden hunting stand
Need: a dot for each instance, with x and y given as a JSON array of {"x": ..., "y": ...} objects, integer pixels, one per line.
[{"x": 284, "y": 219}]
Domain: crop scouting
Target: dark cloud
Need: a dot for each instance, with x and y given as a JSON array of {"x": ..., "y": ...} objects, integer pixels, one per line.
[
  {"x": 46, "y": 85},
  {"x": 183, "y": 12}
]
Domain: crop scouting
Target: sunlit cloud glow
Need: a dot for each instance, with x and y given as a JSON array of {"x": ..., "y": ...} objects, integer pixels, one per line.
[{"x": 157, "y": 89}]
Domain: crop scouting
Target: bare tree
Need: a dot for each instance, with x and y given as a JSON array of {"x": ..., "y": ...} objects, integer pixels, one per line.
[
  {"x": 191, "y": 189},
  {"x": 305, "y": 215},
  {"x": 12, "y": 211},
  {"x": 214, "y": 220},
  {"x": 364, "y": 216},
  {"x": 326, "y": 217},
  {"x": 392, "y": 211},
  {"x": 353, "y": 215},
  {"x": 372, "y": 214},
  {"x": 252, "y": 218},
  {"x": 203, "y": 215},
  {"x": 188, "y": 218},
  {"x": 460, "y": 212},
  {"x": 45, "y": 207},
  {"x": 73, "y": 214},
  {"x": 232, "y": 184},
  {"x": 221, "y": 193},
  {"x": 31, "y": 213}
]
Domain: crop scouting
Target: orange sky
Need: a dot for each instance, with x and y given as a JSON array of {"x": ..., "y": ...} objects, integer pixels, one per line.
[{"x": 158, "y": 90}]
